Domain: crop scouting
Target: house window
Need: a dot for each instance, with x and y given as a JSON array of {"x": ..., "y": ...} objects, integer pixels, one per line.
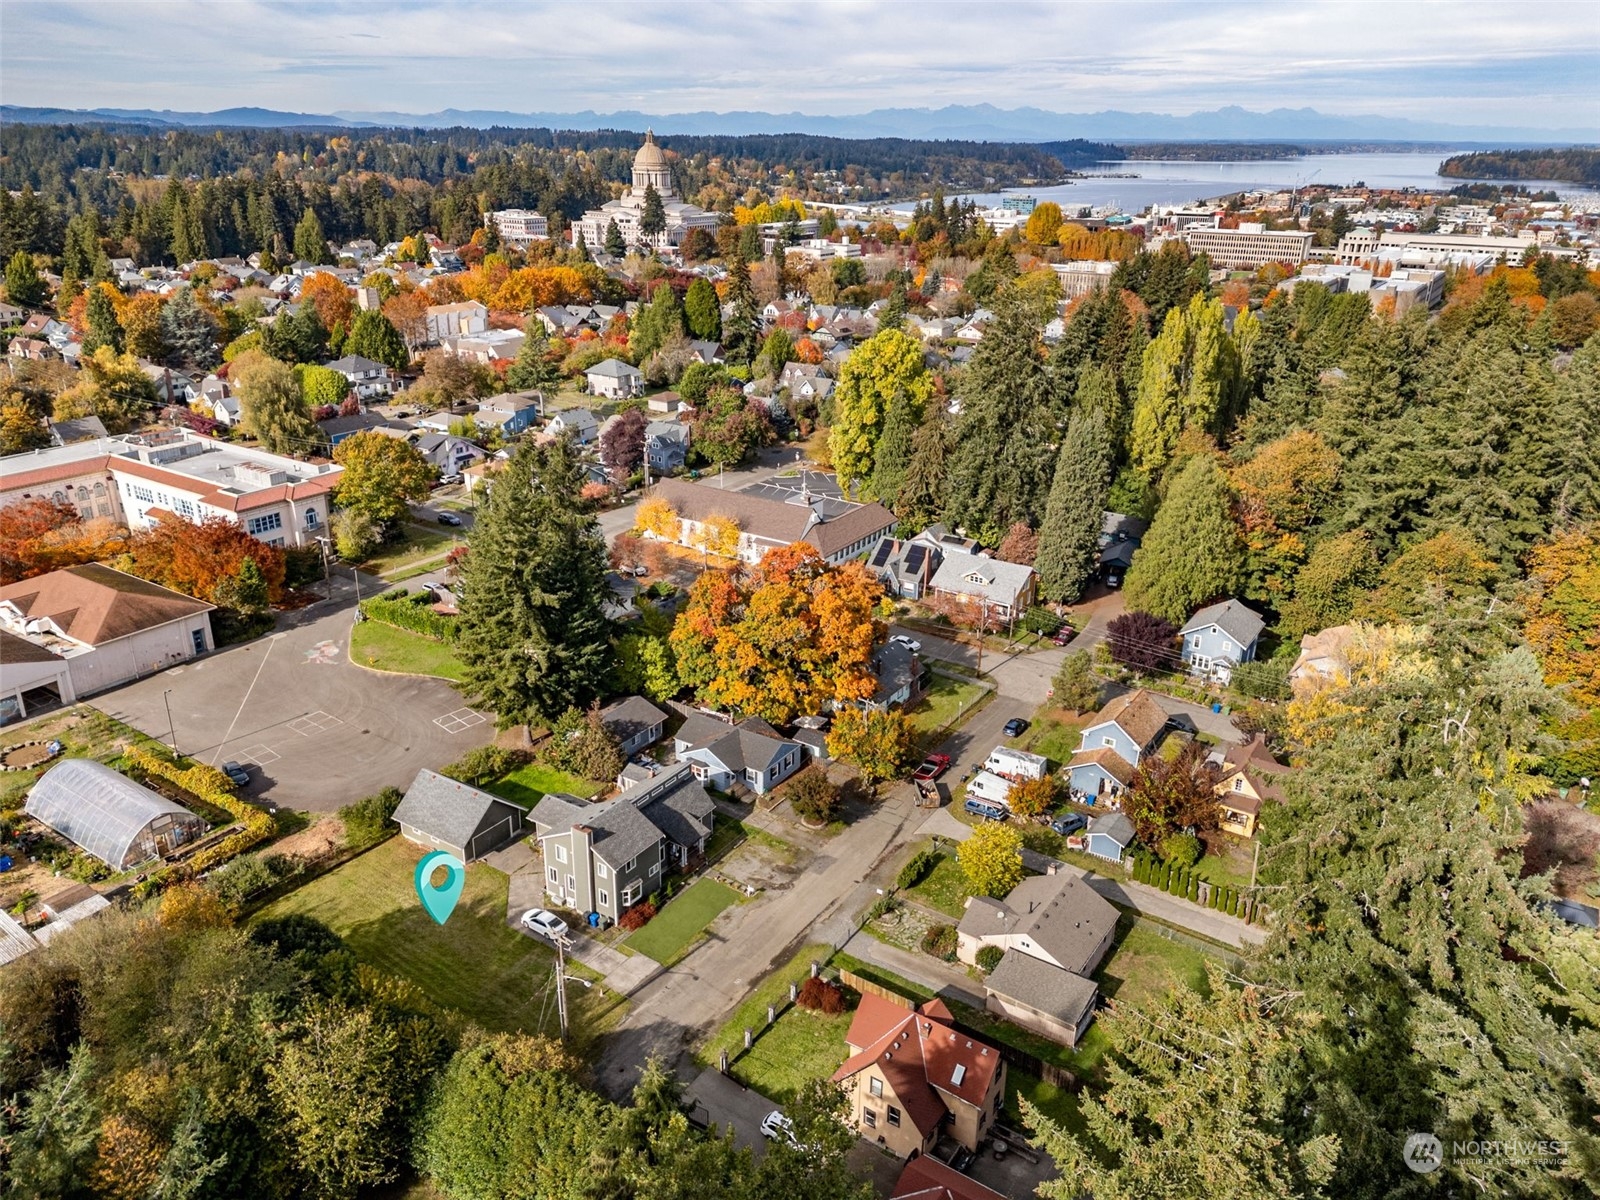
[
  {"x": 631, "y": 863},
  {"x": 894, "y": 1116},
  {"x": 572, "y": 884},
  {"x": 555, "y": 877},
  {"x": 752, "y": 776},
  {"x": 631, "y": 894},
  {"x": 604, "y": 899},
  {"x": 311, "y": 518},
  {"x": 655, "y": 868},
  {"x": 1238, "y": 784},
  {"x": 1106, "y": 741},
  {"x": 869, "y": 1118},
  {"x": 600, "y": 869},
  {"x": 561, "y": 852},
  {"x": 875, "y": 1086},
  {"x": 265, "y": 523}
]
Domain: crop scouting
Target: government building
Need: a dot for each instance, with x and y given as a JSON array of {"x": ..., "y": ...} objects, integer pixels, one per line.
[{"x": 649, "y": 170}]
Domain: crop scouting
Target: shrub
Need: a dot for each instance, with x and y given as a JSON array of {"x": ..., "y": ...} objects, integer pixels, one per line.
[
  {"x": 580, "y": 744},
  {"x": 370, "y": 820},
  {"x": 940, "y": 941},
  {"x": 821, "y": 996},
  {"x": 1143, "y": 641},
  {"x": 246, "y": 876},
  {"x": 638, "y": 916},
  {"x": 916, "y": 870},
  {"x": 410, "y": 610},
  {"x": 1033, "y": 796},
  {"x": 1181, "y": 848},
  {"x": 484, "y": 765},
  {"x": 816, "y": 798},
  {"x": 213, "y": 787},
  {"x": 989, "y": 958}
]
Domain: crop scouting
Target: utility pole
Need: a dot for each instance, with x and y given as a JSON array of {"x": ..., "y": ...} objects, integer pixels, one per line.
[
  {"x": 172, "y": 731},
  {"x": 561, "y": 984}
]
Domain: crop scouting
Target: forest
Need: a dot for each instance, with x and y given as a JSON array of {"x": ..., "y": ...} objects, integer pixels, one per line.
[{"x": 1570, "y": 165}]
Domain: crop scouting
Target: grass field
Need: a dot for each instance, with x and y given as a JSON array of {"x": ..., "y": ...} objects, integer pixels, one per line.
[
  {"x": 800, "y": 1046},
  {"x": 681, "y": 921},
  {"x": 1055, "y": 733},
  {"x": 944, "y": 700},
  {"x": 86, "y": 732},
  {"x": 945, "y": 888},
  {"x": 386, "y": 648},
  {"x": 417, "y": 543},
  {"x": 1144, "y": 965},
  {"x": 527, "y": 785},
  {"x": 474, "y": 963}
]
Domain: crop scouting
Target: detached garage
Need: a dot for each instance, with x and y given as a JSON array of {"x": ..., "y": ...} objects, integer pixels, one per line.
[{"x": 441, "y": 813}]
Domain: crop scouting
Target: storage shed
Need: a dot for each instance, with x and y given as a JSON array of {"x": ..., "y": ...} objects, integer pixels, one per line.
[{"x": 109, "y": 815}]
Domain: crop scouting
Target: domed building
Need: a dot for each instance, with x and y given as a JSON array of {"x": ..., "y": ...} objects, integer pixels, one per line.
[{"x": 649, "y": 170}]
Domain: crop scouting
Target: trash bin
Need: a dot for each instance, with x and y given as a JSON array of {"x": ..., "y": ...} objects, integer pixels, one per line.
[{"x": 1216, "y": 707}]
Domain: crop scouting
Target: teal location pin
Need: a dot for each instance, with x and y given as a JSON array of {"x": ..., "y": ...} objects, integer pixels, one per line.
[{"x": 440, "y": 902}]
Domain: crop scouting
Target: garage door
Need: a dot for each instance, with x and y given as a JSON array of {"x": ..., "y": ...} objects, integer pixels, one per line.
[{"x": 490, "y": 838}]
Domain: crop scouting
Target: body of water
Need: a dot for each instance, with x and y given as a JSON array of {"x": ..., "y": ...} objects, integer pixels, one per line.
[{"x": 1188, "y": 182}]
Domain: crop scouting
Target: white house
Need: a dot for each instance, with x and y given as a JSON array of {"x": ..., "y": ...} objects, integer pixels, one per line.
[
  {"x": 464, "y": 319},
  {"x": 615, "y": 379}
]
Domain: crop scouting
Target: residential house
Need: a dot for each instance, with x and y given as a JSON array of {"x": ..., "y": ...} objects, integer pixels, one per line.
[
  {"x": 1109, "y": 835},
  {"x": 926, "y": 1178},
  {"x": 634, "y": 722},
  {"x": 1247, "y": 775},
  {"x": 519, "y": 409},
  {"x": 805, "y": 381},
  {"x": 337, "y": 429},
  {"x": 31, "y": 349},
  {"x": 899, "y": 675},
  {"x": 581, "y": 425},
  {"x": 79, "y": 429},
  {"x": 465, "y": 319},
  {"x": 490, "y": 347},
  {"x": 943, "y": 540},
  {"x": 1322, "y": 655},
  {"x": 11, "y": 314},
  {"x": 449, "y": 453},
  {"x": 172, "y": 387},
  {"x": 1113, "y": 743},
  {"x": 1120, "y": 538},
  {"x": 605, "y": 858},
  {"x": 615, "y": 379},
  {"x": 666, "y": 446},
  {"x": 709, "y": 353},
  {"x": 912, "y": 1078},
  {"x": 748, "y": 756},
  {"x": 1054, "y": 930},
  {"x": 769, "y": 516},
  {"x": 216, "y": 400},
  {"x": 441, "y": 813},
  {"x": 1006, "y": 588},
  {"x": 87, "y": 628},
  {"x": 906, "y": 568},
  {"x": 368, "y": 379},
  {"x": 558, "y": 322},
  {"x": 1219, "y": 637}
]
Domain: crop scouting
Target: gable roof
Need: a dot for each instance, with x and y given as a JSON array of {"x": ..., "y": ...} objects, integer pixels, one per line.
[
  {"x": 977, "y": 574},
  {"x": 1108, "y": 760},
  {"x": 672, "y": 805},
  {"x": 1114, "y": 825},
  {"x": 1136, "y": 713},
  {"x": 95, "y": 604},
  {"x": 1061, "y": 914},
  {"x": 614, "y": 368},
  {"x": 780, "y": 521},
  {"x": 1242, "y": 624},
  {"x": 629, "y": 717},
  {"x": 446, "y": 808},
  {"x": 1043, "y": 986},
  {"x": 752, "y": 743},
  {"x": 926, "y": 1178},
  {"x": 921, "y": 1056}
]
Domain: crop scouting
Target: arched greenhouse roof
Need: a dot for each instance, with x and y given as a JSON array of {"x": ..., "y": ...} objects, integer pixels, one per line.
[{"x": 101, "y": 810}]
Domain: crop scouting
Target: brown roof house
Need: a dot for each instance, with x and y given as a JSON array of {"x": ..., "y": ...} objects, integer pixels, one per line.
[
  {"x": 911, "y": 1078},
  {"x": 1122, "y": 732},
  {"x": 84, "y": 629},
  {"x": 840, "y": 529},
  {"x": 926, "y": 1178},
  {"x": 1054, "y": 931},
  {"x": 1246, "y": 776}
]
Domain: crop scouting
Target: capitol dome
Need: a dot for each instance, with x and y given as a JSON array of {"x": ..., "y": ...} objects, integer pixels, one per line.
[{"x": 649, "y": 157}]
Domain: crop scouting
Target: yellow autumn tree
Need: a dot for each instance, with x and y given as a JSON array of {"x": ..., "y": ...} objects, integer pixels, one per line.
[
  {"x": 658, "y": 518},
  {"x": 1371, "y": 655},
  {"x": 718, "y": 535}
]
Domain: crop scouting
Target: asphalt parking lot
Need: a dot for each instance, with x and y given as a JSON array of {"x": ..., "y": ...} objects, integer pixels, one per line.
[{"x": 315, "y": 730}]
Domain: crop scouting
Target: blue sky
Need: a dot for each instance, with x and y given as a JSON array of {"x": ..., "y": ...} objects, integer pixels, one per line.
[{"x": 1516, "y": 62}]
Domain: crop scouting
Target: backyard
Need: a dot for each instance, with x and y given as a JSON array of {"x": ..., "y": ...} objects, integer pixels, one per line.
[
  {"x": 680, "y": 923},
  {"x": 388, "y": 648},
  {"x": 1145, "y": 963},
  {"x": 417, "y": 544},
  {"x": 475, "y": 964},
  {"x": 527, "y": 785},
  {"x": 944, "y": 888},
  {"x": 1054, "y": 733}
]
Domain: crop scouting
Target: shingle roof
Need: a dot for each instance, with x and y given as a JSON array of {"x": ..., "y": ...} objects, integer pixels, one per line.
[
  {"x": 926, "y": 1178},
  {"x": 978, "y": 575},
  {"x": 94, "y": 604},
  {"x": 1114, "y": 825},
  {"x": 1043, "y": 986},
  {"x": 16, "y": 650},
  {"x": 750, "y": 744},
  {"x": 671, "y": 805},
  {"x": 613, "y": 368},
  {"x": 446, "y": 808},
  {"x": 1061, "y": 914},
  {"x": 630, "y": 717},
  {"x": 1240, "y": 623},
  {"x": 1136, "y": 713},
  {"x": 776, "y": 520},
  {"x": 1108, "y": 760}
]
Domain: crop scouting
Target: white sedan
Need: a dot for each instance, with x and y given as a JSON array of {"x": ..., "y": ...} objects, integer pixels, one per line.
[
  {"x": 909, "y": 643},
  {"x": 775, "y": 1125},
  {"x": 537, "y": 920}
]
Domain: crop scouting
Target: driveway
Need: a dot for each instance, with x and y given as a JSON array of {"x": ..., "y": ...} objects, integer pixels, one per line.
[{"x": 316, "y": 730}]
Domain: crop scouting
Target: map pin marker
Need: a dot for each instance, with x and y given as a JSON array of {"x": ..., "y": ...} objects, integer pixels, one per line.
[{"x": 440, "y": 901}]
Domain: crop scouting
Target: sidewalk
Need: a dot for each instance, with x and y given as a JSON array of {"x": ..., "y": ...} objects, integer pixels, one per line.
[{"x": 947, "y": 979}]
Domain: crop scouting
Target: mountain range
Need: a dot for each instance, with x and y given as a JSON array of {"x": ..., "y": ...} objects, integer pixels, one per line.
[{"x": 978, "y": 122}]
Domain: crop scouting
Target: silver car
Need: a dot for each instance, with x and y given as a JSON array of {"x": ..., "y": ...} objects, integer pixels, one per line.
[{"x": 547, "y": 924}]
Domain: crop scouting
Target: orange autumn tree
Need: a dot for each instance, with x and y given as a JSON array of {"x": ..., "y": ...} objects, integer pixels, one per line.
[
  {"x": 1563, "y": 612},
  {"x": 199, "y": 558},
  {"x": 41, "y": 535},
  {"x": 335, "y": 306},
  {"x": 793, "y": 637}
]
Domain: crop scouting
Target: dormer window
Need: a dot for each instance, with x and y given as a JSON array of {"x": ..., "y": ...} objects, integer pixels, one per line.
[{"x": 978, "y": 578}]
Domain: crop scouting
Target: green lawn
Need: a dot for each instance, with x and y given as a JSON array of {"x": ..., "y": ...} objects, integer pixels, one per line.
[
  {"x": 1231, "y": 867},
  {"x": 387, "y": 648},
  {"x": 1058, "y": 1104},
  {"x": 945, "y": 888},
  {"x": 800, "y": 1046},
  {"x": 416, "y": 544},
  {"x": 940, "y": 705},
  {"x": 1144, "y": 965},
  {"x": 682, "y": 920},
  {"x": 474, "y": 963},
  {"x": 1054, "y": 734},
  {"x": 529, "y": 784}
]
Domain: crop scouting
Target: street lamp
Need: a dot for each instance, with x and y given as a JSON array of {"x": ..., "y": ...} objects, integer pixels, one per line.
[{"x": 172, "y": 731}]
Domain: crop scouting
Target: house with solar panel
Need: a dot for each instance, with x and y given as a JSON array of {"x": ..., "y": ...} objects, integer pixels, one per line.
[{"x": 108, "y": 815}]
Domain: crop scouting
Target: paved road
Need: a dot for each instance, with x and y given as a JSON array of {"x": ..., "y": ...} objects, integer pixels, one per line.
[{"x": 317, "y": 730}]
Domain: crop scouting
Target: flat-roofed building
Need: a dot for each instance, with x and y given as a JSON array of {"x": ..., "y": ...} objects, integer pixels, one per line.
[
  {"x": 1249, "y": 246},
  {"x": 518, "y": 225}
]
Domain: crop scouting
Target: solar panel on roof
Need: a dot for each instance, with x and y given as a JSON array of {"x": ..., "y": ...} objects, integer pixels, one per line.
[
  {"x": 914, "y": 557},
  {"x": 880, "y": 556}
]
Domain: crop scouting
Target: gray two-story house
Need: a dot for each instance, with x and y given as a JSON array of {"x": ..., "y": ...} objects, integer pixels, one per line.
[
  {"x": 1219, "y": 637},
  {"x": 666, "y": 445},
  {"x": 605, "y": 858},
  {"x": 751, "y": 753},
  {"x": 1120, "y": 734}
]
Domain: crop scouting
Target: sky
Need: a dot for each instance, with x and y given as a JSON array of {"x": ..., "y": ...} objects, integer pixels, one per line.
[{"x": 1509, "y": 62}]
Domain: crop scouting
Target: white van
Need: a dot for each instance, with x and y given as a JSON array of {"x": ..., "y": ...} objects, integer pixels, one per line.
[
  {"x": 991, "y": 788},
  {"x": 1016, "y": 764}
]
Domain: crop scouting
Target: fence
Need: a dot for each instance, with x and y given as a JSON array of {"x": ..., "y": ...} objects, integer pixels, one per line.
[{"x": 868, "y": 988}]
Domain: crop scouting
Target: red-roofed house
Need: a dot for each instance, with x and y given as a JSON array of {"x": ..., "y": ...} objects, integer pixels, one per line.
[
  {"x": 912, "y": 1078},
  {"x": 929, "y": 1179}
]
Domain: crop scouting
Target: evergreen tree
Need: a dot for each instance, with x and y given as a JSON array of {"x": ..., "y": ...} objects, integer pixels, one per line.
[
  {"x": 703, "y": 311},
  {"x": 189, "y": 332},
  {"x": 1577, "y": 470},
  {"x": 740, "y": 336},
  {"x": 652, "y": 217},
  {"x": 1158, "y": 410},
  {"x": 373, "y": 335},
  {"x": 1193, "y": 552},
  {"x": 296, "y": 337},
  {"x": 1069, "y": 539},
  {"x": 893, "y": 313},
  {"x": 580, "y": 249},
  {"x": 923, "y": 497},
  {"x": 533, "y": 369},
  {"x": 310, "y": 243},
  {"x": 532, "y": 629},
  {"x": 23, "y": 283},
  {"x": 614, "y": 244},
  {"x": 102, "y": 319},
  {"x": 656, "y": 322},
  {"x": 892, "y": 456},
  {"x": 780, "y": 267}
]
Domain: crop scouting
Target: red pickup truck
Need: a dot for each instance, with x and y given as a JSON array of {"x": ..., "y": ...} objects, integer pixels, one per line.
[{"x": 932, "y": 767}]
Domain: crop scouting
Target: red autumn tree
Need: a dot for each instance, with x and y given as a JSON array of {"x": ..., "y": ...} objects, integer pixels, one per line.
[
  {"x": 41, "y": 535},
  {"x": 195, "y": 558}
]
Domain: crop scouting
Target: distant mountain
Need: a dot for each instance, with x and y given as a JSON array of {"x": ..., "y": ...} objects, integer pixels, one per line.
[{"x": 977, "y": 122}]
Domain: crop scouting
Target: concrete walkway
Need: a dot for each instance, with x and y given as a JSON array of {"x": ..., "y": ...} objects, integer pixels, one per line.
[{"x": 948, "y": 979}]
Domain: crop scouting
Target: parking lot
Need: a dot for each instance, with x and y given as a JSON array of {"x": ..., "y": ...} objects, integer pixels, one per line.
[{"x": 315, "y": 730}]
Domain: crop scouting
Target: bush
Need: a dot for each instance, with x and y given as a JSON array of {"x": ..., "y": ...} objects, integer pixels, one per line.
[
  {"x": 302, "y": 565},
  {"x": 215, "y": 788},
  {"x": 410, "y": 610},
  {"x": 821, "y": 996},
  {"x": 1143, "y": 641},
  {"x": 940, "y": 941},
  {"x": 1033, "y": 796},
  {"x": 916, "y": 870},
  {"x": 246, "y": 876},
  {"x": 989, "y": 958},
  {"x": 1182, "y": 849},
  {"x": 368, "y": 821},
  {"x": 581, "y": 745},
  {"x": 816, "y": 798},
  {"x": 638, "y": 916},
  {"x": 484, "y": 765}
]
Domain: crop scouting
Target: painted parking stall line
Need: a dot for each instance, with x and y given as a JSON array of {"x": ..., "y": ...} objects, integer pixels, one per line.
[
  {"x": 315, "y": 722},
  {"x": 460, "y": 719}
]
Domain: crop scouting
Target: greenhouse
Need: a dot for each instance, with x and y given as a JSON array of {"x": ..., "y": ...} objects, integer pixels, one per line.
[{"x": 109, "y": 815}]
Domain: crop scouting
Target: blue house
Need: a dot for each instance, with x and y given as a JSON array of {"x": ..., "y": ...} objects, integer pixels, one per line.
[
  {"x": 1220, "y": 637},
  {"x": 1122, "y": 733},
  {"x": 666, "y": 445},
  {"x": 1109, "y": 836},
  {"x": 514, "y": 412}
]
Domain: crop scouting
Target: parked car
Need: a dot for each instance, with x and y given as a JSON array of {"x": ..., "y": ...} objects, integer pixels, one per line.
[
  {"x": 239, "y": 775},
  {"x": 537, "y": 920},
  {"x": 909, "y": 643},
  {"x": 775, "y": 1125},
  {"x": 636, "y": 572},
  {"x": 1069, "y": 824},
  {"x": 1063, "y": 636},
  {"x": 1016, "y": 727},
  {"x": 449, "y": 518},
  {"x": 1113, "y": 579},
  {"x": 986, "y": 809},
  {"x": 932, "y": 767}
]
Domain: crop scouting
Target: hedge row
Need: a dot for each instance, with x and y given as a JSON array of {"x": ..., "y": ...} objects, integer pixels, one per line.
[
  {"x": 1181, "y": 881},
  {"x": 212, "y": 786},
  {"x": 410, "y": 610}
]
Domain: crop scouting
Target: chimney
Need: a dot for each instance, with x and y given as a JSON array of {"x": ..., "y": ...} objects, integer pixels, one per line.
[{"x": 1052, "y": 868}]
